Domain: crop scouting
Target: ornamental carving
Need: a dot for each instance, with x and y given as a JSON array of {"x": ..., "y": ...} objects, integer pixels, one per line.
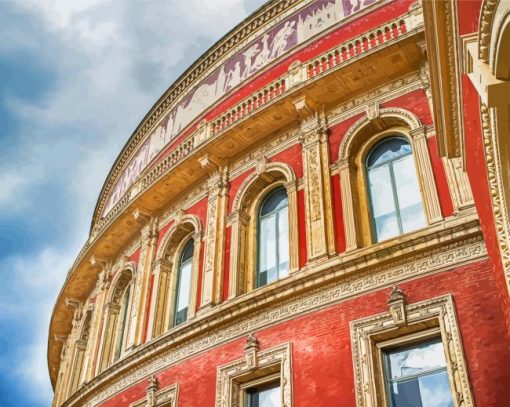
[
  {"x": 437, "y": 313},
  {"x": 255, "y": 364},
  {"x": 354, "y": 281}
]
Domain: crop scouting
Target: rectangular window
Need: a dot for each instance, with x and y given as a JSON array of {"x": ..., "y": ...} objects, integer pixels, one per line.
[
  {"x": 416, "y": 375},
  {"x": 263, "y": 395}
]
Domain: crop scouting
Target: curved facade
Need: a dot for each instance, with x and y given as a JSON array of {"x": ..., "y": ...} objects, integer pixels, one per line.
[{"x": 313, "y": 214}]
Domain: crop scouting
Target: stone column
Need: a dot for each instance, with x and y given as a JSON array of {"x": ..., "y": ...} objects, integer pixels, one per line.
[
  {"x": 160, "y": 298},
  {"x": 95, "y": 339},
  {"x": 350, "y": 228},
  {"x": 291, "y": 188},
  {"x": 319, "y": 215},
  {"x": 148, "y": 240},
  {"x": 212, "y": 281},
  {"x": 458, "y": 184},
  {"x": 111, "y": 311},
  {"x": 428, "y": 183},
  {"x": 237, "y": 282}
]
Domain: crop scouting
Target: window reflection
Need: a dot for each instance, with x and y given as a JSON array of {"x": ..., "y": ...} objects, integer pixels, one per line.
[
  {"x": 273, "y": 231},
  {"x": 183, "y": 284},
  {"x": 393, "y": 188},
  {"x": 267, "y": 396},
  {"x": 122, "y": 323},
  {"x": 416, "y": 376}
]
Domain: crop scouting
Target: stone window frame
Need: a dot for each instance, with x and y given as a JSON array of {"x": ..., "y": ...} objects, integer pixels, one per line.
[
  {"x": 166, "y": 268},
  {"x": 257, "y": 366},
  {"x": 243, "y": 220},
  {"x": 156, "y": 397},
  {"x": 79, "y": 366},
  {"x": 356, "y": 144},
  {"x": 111, "y": 315},
  {"x": 404, "y": 323}
]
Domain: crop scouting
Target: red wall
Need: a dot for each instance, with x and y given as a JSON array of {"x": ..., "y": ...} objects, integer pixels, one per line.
[{"x": 322, "y": 359}]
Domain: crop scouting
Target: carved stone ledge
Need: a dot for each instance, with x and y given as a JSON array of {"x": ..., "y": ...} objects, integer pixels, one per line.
[{"x": 302, "y": 292}]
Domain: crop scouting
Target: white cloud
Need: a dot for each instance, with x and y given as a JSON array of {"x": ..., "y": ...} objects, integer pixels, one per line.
[{"x": 111, "y": 61}]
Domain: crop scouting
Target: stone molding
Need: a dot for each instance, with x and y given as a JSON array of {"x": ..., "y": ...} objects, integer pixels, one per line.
[
  {"x": 156, "y": 397},
  {"x": 268, "y": 16},
  {"x": 351, "y": 155},
  {"x": 367, "y": 332},
  {"x": 254, "y": 363},
  {"x": 443, "y": 53},
  {"x": 310, "y": 289}
]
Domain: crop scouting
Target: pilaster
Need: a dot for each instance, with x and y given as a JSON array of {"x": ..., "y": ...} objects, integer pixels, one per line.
[
  {"x": 238, "y": 223},
  {"x": 160, "y": 298},
  {"x": 351, "y": 238},
  {"x": 428, "y": 183},
  {"x": 318, "y": 203},
  {"x": 212, "y": 280},
  {"x": 148, "y": 239},
  {"x": 102, "y": 285}
]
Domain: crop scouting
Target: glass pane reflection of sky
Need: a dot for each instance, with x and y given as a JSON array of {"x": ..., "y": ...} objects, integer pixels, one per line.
[
  {"x": 432, "y": 390},
  {"x": 418, "y": 376},
  {"x": 270, "y": 397}
]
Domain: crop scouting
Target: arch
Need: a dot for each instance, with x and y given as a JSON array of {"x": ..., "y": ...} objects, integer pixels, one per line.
[
  {"x": 263, "y": 170},
  {"x": 120, "y": 279},
  {"x": 182, "y": 222},
  {"x": 185, "y": 227},
  {"x": 243, "y": 221},
  {"x": 116, "y": 321},
  {"x": 354, "y": 147},
  {"x": 387, "y": 118}
]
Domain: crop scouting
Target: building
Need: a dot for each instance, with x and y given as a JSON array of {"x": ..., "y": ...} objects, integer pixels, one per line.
[{"x": 314, "y": 213}]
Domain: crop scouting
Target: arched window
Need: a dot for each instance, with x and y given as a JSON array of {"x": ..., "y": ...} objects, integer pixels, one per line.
[
  {"x": 183, "y": 289},
  {"x": 394, "y": 192},
  {"x": 273, "y": 238},
  {"x": 121, "y": 327}
]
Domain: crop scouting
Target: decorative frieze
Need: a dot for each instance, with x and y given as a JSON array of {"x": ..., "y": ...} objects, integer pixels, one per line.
[{"x": 343, "y": 281}]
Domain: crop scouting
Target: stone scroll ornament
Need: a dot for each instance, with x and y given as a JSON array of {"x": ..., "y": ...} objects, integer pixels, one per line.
[{"x": 284, "y": 36}]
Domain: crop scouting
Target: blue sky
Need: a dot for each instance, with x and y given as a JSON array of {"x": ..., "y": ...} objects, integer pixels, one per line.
[{"x": 76, "y": 77}]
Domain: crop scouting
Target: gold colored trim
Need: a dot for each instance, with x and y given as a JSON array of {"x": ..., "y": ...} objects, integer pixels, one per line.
[
  {"x": 437, "y": 248},
  {"x": 231, "y": 379}
]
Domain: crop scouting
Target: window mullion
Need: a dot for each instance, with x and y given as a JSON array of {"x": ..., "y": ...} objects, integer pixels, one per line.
[
  {"x": 395, "y": 197},
  {"x": 277, "y": 243}
]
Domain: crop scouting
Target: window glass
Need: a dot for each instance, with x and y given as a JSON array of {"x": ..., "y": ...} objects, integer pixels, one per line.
[
  {"x": 273, "y": 238},
  {"x": 394, "y": 191},
  {"x": 416, "y": 375},
  {"x": 122, "y": 323},
  {"x": 283, "y": 242},
  {"x": 268, "y": 396},
  {"x": 383, "y": 203},
  {"x": 408, "y": 194},
  {"x": 184, "y": 284}
]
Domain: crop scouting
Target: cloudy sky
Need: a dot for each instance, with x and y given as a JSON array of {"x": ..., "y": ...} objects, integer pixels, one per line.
[{"x": 76, "y": 77}]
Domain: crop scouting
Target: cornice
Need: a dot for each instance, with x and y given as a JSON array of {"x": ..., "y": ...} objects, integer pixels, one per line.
[
  {"x": 131, "y": 199},
  {"x": 250, "y": 27},
  {"x": 264, "y": 18},
  {"x": 435, "y": 249}
]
